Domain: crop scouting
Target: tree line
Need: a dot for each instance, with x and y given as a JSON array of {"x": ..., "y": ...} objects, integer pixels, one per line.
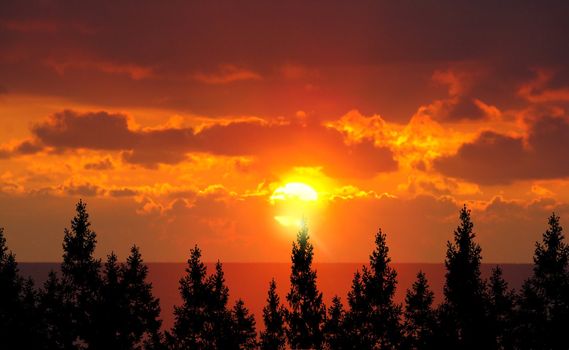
[{"x": 89, "y": 304}]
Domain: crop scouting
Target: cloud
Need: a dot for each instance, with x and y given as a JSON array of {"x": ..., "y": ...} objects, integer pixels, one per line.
[
  {"x": 494, "y": 159},
  {"x": 276, "y": 146},
  {"x": 227, "y": 74},
  {"x": 25, "y": 147},
  {"x": 134, "y": 71},
  {"x": 104, "y": 164}
]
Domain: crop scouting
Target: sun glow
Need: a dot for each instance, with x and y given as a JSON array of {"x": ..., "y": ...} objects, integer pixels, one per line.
[
  {"x": 294, "y": 202},
  {"x": 295, "y": 190}
]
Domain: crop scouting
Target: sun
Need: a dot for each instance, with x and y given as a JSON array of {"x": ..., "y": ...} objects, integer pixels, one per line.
[
  {"x": 294, "y": 202},
  {"x": 295, "y": 191}
]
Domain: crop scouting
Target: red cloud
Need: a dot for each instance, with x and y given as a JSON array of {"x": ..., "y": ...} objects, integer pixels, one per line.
[
  {"x": 275, "y": 146},
  {"x": 500, "y": 159}
]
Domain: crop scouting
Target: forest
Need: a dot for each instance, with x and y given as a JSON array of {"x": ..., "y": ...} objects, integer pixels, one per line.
[{"x": 95, "y": 304}]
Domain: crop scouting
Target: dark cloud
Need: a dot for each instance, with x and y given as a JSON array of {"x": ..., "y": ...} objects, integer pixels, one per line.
[
  {"x": 84, "y": 190},
  {"x": 123, "y": 192},
  {"x": 104, "y": 164},
  {"x": 273, "y": 145},
  {"x": 25, "y": 147},
  {"x": 494, "y": 159},
  {"x": 118, "y": 48},
  {"x": 465, "y": 109}
]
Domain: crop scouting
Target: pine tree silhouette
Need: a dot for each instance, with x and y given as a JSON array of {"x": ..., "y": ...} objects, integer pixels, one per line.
[
  {"x": 334, "y": 331},
  {"x": 203, "y": 320},
  {"x": 190, "y": 329},
  {"x": 143, "y": 327},
  {"x": 356, "y": 318},
  {"x": 419, "y": 315},
  {"x": 545, "y": 296},
  {"x": 243, "y": 329},
  {"x": 501, "y": 307},
  {"x": 220, "y": 321},
  {"x": 464, "y": 290},
  {"x": 81, "y": 274},
  {"x": 380, "y": 281},
  {"x": 56, "y": 314},
  {"x": 273, "y": 336},
  {"x": 306, "y": 314},
  {"x": 110, "y": 315},
  {"x": 19, "y": 326}
]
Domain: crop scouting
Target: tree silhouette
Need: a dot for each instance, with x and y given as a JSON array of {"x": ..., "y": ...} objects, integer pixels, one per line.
[
  {"x": 56, "y": 314},
  {"x": 501, "y": 304},
  {"x": 110, "y": 316},
  {"x": 143, "y": 327},
  {"x": 419, "y": 315},
  {"x": 191, "y": 329},
  {"x": 306, "y": 314},
  {"x": 273, "y": 336},
  {"x": 81, "y": 274},
  {"x": 19, "y": 326},
  {"x": 464, "y": 290},
  {"x": 243, "y": 328},
  {"x": 334, "y": 331},
  {"x": 203, "y": 320},
  {"x": 374, "y": 319},
  {"x": 355, "y": 320},
  {"x": 545, "y": 296}
]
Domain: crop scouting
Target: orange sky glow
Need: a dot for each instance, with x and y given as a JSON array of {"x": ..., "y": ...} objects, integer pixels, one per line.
[{"x": 226, "y": 125}]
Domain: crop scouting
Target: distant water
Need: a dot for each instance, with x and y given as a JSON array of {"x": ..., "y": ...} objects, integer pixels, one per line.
[{"x": 250, "y": 281}]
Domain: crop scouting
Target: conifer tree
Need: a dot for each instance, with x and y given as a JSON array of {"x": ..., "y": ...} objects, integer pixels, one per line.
[
  {"x": 501, "y": 307},
  {"x": 464, "y": 290},
  {"x": 81, "y": 273},
  {"x": 545, "y": 296},
  {"x": 56, "y": 315},
  {"x": 273, "y": 336},
  {"x": 203, "y": 320},
  {"x": 191, "y": 329},
  {"x": 11, "y": 305},
  {"x": 356, "y": 318},
  {"x": 109, "y": 317},
  {"x": 306, "y": 314},
  {"x": 220, "y": 319},
  {"x": 143, "y": 326},
  {"x": 334, "y": 331},
  {"x": 380, "y": 281},
  {"x": 243, "y": 328},
  {"x": 18, "y": 304},
  {"x": 419, "y": 315}
]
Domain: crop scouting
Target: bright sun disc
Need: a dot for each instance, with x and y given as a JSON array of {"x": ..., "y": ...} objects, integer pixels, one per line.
[{"x": 295, "y": 190}]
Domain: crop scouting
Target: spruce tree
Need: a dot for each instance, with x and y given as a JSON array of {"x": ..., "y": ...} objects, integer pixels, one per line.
[
  {"x": 109, "y": 317},
  {"x": 501, "y": 307},
  {"x": 19, "y": 327},
  {"x": 243, "y": 328},
  {"x": 334, "y": 331},
  {"x": 273, "y": 336},
  {"x": 143, "y": 311},
  {"x": 81, "y": 274},
  {"x": 220, "y": 319},
  {"x": 56, "y": 314},
  {"x": 356, "y": 318},
  {"x": 545, "y": 297},
  {"x": 306, "y": 314},
  {"x": 464, "y": 290},
  {"x": 379, "y": 281},
  {"x": 419, "y": 315},
  {"x": 11, "y": 305},
  {"x": 191, "y": 328}
]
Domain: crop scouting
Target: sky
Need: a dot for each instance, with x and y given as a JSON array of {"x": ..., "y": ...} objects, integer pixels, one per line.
[{"x": 225, "y": 124}]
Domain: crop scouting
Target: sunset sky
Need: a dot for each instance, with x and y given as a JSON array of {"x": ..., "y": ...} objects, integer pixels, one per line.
[{"x": 225, "y": 123}]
